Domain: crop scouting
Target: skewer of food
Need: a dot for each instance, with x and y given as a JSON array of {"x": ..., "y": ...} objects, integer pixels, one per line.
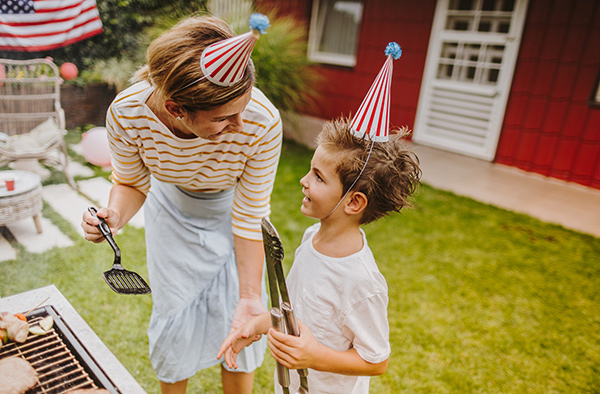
[
  {"x": 15, "y": 327},
  {"x": 12, "y": 328}
]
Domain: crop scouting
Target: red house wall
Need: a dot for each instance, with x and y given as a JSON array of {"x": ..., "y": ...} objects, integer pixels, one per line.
[
  {"x": 549, "y": 127},
  {"x": 406, "y": 22}
]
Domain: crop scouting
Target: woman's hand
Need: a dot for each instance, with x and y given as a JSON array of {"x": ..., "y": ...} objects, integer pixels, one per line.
[
  {"x": 89, "y": 224},
  {"x": 244, "y": 336},
  {"x": 295, "y": 352},
  {"x": 246, "y": 309}
]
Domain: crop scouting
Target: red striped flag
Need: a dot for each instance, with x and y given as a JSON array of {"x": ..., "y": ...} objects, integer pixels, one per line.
[{"x": 40, "y": 25}]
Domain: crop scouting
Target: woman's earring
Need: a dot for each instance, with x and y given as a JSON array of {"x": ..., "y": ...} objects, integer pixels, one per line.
[{"x": 178, "y": 118}]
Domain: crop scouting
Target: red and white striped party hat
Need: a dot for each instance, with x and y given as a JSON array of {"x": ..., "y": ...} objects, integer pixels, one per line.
[
  {"x": 373, "y": 117},
  {"x": 224, "y": 62}
]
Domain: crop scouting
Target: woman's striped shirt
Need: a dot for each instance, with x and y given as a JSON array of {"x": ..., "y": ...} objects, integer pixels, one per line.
[{"x": 141, "y": 145}]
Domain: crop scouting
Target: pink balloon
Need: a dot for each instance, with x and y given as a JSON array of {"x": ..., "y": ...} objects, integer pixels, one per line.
[
  {"x": 94, "y": 144},
  {"x": 68, "y": 71}
]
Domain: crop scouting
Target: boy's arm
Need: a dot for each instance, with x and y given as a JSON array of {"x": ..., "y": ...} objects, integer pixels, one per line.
[
  {"x": 305, "y": 352},
  {"x": 244, "y": 336}
]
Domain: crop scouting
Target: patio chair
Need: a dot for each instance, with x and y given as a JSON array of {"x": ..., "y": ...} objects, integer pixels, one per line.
[{"x": 32, "y": 121}]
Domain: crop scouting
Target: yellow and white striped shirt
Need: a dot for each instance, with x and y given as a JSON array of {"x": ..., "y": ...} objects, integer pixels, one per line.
[{"x": 142, "y": 145}]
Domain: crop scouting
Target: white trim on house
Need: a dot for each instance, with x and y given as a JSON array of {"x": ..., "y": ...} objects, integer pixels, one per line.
[{"x": 467, "y": 78}]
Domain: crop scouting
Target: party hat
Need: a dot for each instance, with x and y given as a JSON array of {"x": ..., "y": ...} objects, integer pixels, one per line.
[
  {"x": 373, "y": 116},
  {"x": 224, "y": 62}
]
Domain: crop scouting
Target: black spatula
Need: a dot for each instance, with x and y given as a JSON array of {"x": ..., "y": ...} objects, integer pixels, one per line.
[{"x": 118, "y": 278}]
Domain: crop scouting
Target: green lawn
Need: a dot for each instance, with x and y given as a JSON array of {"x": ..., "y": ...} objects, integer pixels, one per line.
[{"x": 482, "y": 300}]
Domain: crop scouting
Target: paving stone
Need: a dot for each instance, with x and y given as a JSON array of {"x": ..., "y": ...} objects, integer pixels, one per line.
[
  {"x": 77, "y": 148},
  {"x": 7, "y": 252},
  {"x": 25, "y": 232},
  {"x": 96, "y": 189},
  {"x": 77, "y": 169},
  {"x": 67, "y": 202}
]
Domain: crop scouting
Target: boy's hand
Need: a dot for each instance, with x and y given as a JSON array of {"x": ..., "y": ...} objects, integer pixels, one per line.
[{"x": 295, "y": 352}]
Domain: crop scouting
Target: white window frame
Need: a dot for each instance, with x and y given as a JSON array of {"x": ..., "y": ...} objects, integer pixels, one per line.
[
  {"x": 594, "y": 101},
  {"x": 314, "y": 37}
]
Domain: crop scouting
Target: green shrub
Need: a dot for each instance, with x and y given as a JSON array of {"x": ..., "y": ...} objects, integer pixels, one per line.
[{"x": 283, "y": 70}]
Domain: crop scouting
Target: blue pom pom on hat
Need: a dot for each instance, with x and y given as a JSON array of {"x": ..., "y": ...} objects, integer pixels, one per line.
[
  {"x": 393, "y": 49},
  {"x": 259, "y": 22}
]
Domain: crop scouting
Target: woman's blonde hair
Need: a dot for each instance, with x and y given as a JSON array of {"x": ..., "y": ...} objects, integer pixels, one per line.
[{"x": 173, "y": 64}]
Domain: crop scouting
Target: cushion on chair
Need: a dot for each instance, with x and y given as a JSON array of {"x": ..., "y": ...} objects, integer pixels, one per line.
[{"x": 38, "y": 139}]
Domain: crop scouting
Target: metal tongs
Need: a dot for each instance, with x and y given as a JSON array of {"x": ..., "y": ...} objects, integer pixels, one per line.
[{"x": 282, "y": 316}]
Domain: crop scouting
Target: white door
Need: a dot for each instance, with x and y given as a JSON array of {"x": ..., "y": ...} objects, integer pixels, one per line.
[{"x": 470, "y": 63}]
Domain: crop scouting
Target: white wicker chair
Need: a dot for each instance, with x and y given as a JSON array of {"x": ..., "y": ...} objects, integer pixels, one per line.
[{"x": 31, "y": 118}]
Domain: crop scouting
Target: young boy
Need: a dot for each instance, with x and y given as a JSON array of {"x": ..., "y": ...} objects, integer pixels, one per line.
[{"x": 339, "y": 295}]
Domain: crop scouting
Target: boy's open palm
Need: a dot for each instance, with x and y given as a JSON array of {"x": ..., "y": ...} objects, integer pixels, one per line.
[{"x": 295, "y": 352}]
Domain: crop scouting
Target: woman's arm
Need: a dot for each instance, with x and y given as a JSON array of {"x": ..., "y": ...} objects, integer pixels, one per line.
[
  {"x": 305, "y": 352},
  {"x": 127, "y": 195},
  {"x": 250, "y": 259},
  {"x": 124, "y": 202}
]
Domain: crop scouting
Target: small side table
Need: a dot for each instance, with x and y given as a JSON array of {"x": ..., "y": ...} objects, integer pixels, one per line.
[{"x": 22, "y": 202}]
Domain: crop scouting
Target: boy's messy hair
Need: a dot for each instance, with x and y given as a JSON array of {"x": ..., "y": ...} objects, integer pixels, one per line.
[{"x": 392, "y": 173}]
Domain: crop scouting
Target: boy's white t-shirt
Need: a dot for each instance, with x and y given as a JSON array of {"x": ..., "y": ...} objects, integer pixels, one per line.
[{"x": 344, "y": 303}]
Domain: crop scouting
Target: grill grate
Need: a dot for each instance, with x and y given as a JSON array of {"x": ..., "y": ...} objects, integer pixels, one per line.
[{"x": 59, "y": 359}]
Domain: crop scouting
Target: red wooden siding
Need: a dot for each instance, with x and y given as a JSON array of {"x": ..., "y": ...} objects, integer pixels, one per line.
[
  {"x": 406, "y": 22},
  {"x": 549, "y": 127}
]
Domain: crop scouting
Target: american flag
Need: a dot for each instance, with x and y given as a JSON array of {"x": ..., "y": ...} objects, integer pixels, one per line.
[{"x": 40, "y": 25}]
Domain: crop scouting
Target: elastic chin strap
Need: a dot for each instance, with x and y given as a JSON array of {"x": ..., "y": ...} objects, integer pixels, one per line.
[
  {"x": 191, "y": 84},
  {"x": 353, "y": 183}
]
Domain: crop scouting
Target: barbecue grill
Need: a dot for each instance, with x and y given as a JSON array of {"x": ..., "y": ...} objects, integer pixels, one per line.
[
  {"x": 59, "y": 359},
  {"x": 70, "y": 355}
]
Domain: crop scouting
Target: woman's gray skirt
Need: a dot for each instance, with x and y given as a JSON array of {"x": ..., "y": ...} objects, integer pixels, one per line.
[{"x": 194, "y": 280}]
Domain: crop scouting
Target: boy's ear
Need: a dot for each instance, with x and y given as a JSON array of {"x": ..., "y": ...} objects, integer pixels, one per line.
[
  {"x": 357, "y": 204},
  {"x": 173, "y": 108}
]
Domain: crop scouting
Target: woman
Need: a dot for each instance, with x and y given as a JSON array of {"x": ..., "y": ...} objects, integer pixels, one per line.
[{"x": 201, "y": 158}]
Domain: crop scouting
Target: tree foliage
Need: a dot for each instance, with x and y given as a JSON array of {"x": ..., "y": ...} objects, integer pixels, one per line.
[{"x": 123, "y": 22}]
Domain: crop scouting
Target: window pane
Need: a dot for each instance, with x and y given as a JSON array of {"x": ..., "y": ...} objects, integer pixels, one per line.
[
  {"x": 461, "y": 5},
  {"x": 445, "y": 71},
  {"x": 335, "y": 26},
  {"x": 489, "y": 5},
  {"x": 508, "y": 5},
  {"x": 449, "y": 50},
  {"x": 459, "y": 22},
  {"x": 496, "y": 24}
]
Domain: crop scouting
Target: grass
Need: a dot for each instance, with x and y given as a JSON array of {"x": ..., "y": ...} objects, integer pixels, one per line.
[{"x": 482, "y": 300}]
